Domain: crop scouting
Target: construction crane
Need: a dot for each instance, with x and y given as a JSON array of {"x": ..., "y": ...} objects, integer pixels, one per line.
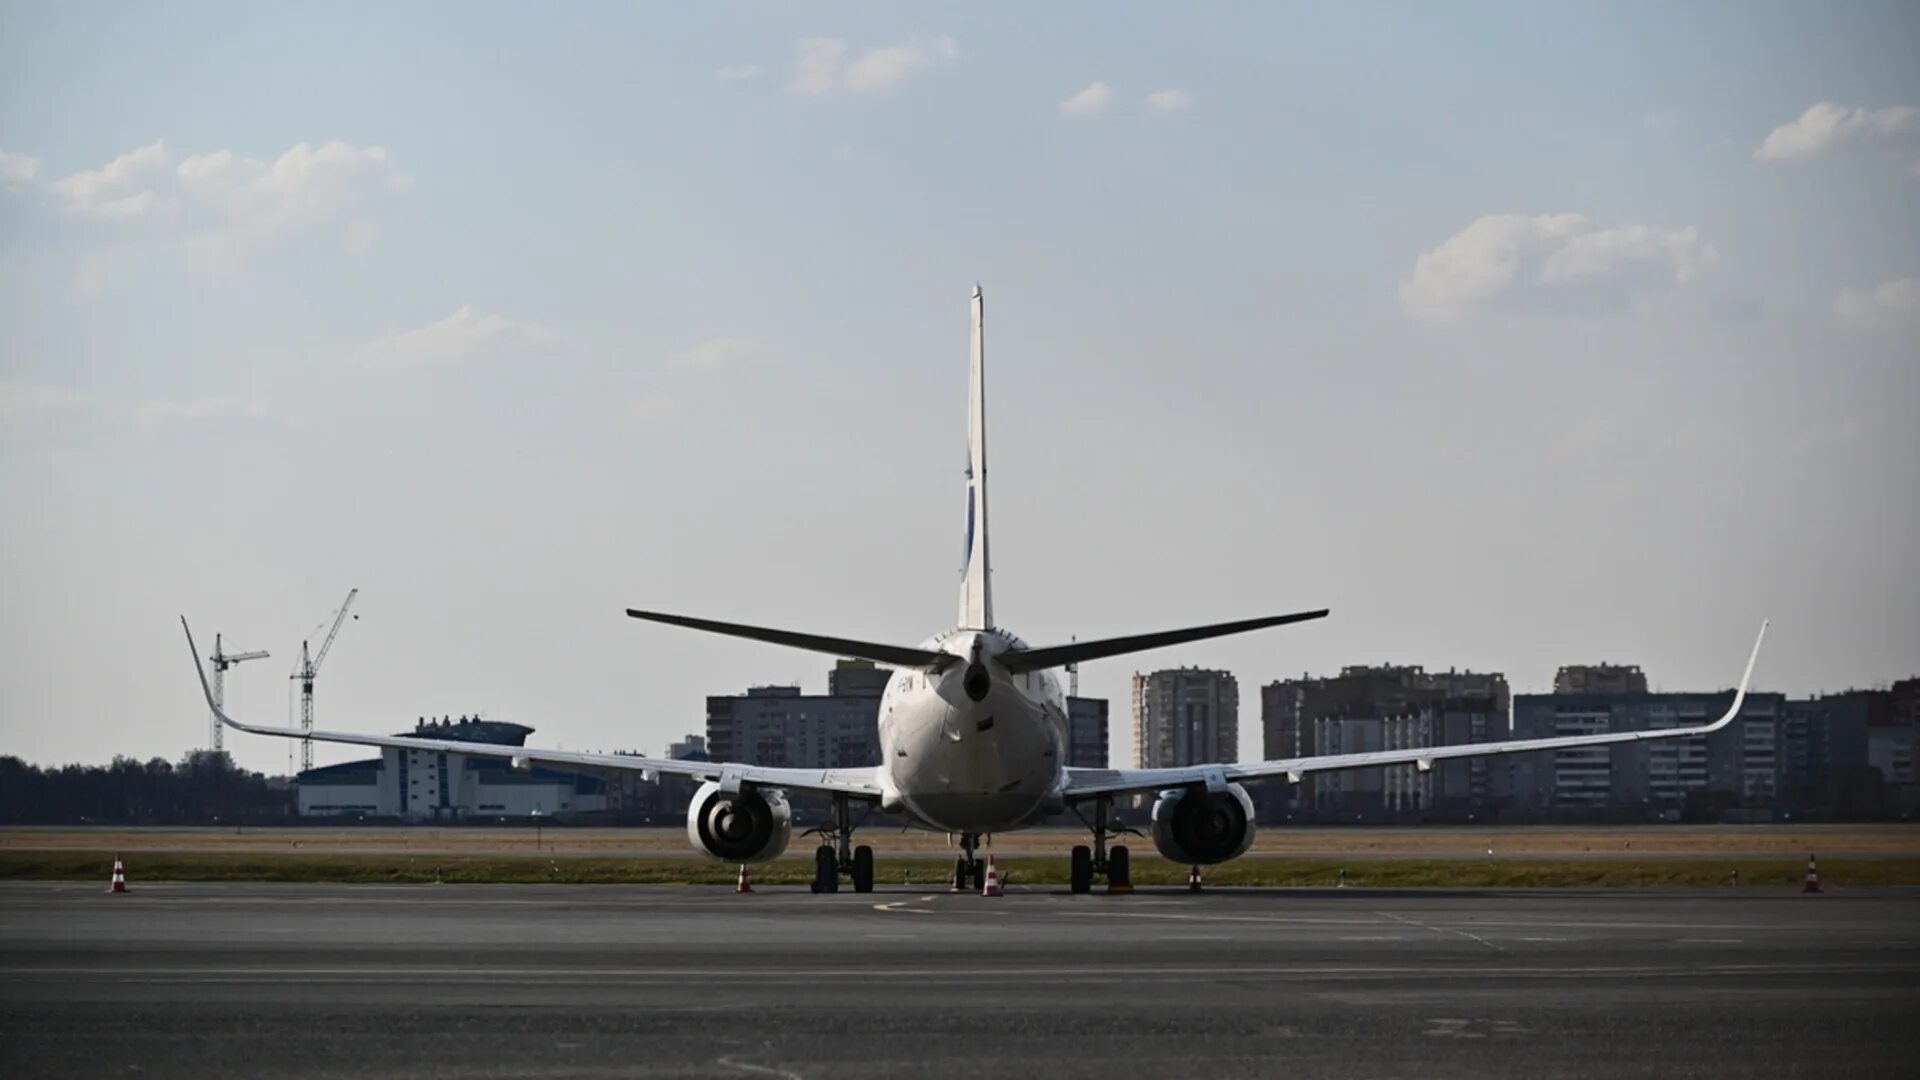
[
  {"x": 222, "y": 660},
  {"x": 305, "y": 673}
]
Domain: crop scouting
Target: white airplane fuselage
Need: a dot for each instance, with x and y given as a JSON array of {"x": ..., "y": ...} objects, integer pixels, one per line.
[{"x": 976, "y": 758}]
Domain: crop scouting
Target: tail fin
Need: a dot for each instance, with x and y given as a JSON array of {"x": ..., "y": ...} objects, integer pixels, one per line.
[{"x": 976, "y": 587}]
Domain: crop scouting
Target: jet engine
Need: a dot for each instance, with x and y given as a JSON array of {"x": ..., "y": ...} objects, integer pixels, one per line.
[
  {"x": 1194, "y": 825},
  {"x": 751, "y": 826}
]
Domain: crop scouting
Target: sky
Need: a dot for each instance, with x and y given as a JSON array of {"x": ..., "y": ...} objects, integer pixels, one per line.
[{"x": 1518, "y": 335}]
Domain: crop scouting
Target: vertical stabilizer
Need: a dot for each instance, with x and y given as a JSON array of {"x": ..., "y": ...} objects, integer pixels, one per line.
[{"x": 976, "y": 588}]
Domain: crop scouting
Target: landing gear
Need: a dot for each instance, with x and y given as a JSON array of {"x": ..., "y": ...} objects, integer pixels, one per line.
[
  {"x": 1080, "y": 873},
  {"x": 967, "y": 872},
  {"x": 1087, "y": 863},
  {"x": 837, "y": 855},
  {"x": 826, "y": 871}
]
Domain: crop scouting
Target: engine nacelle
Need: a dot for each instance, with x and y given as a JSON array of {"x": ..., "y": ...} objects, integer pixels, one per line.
[
  {"x": 1194, "y": 825},
  {"x": 749, "y": 827}
]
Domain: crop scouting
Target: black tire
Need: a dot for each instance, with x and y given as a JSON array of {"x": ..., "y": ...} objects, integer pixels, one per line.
[
  {"x": 960, "y": 875},
  {"x": 826, "y": 870},
  {"x": 863, "y": 869},
  {"x": 1080, "y": 870},
  {"x": 1119, "y": 868}
]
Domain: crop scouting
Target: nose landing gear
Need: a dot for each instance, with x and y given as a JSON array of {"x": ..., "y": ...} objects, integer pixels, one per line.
[
  {"x": 836, "y": 854},
  {"x": 968, "y": 874},
  {"x": 1116, "y": 865}
]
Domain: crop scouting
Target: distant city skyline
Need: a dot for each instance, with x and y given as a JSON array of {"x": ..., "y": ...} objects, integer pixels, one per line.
[{"x": 1516, "y": 337}]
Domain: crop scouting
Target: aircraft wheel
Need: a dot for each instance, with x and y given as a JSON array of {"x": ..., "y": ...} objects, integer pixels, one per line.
[
  {"x": 960, "y": 875},
  {"x": 1080, "y": 871},
  {"x": 1119, "y": 869},
  {"x": 863, "y": 869},
  {"x": 826, "y": 870}
]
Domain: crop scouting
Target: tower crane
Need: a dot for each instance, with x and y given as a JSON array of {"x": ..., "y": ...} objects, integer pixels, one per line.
[
  {"x": 222, "y": 660},
  {"x": 305, "y": 673}
]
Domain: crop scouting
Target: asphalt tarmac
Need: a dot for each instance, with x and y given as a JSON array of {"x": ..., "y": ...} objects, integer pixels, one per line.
[{"x": 667, "y": 981}]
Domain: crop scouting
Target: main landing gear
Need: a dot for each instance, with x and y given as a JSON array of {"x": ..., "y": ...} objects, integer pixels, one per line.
[
  {"x": 836, "y": 854},
  {"x": 1115, "y": 864}
]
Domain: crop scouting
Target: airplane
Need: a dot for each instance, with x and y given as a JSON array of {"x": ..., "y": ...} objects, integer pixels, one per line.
[{"x": 973, "y": 732}]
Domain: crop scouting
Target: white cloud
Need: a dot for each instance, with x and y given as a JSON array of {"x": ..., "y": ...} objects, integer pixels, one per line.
[
  {"x": 1515, "y": 258},
  {"x": 816, "y": 65},
  {"x": 737, "y": 72},
  {"x": 152, "y": 416},
  {"x": 1825, "y": 126},
  {"x": 1094, "y": 98},
  {"x": 17, "y": 170},
  {"x": 826, "y": 65},
  {"x": 303, "y": 186},
  {"x": 122, "y": 188},
  {"x": 652, "y": 409},
  {"x": 878, "y": 69},
  {"x": 464, "y": 334},
  {"x": 1171, "y": 99},
  {"x": 219, "y": 208},
  {"x": 1890, "y": 304},
  {"x": 714, "y": 353}
]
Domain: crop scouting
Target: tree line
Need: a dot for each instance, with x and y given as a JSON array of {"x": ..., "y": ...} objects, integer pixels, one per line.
[{"x": 204, "y": 788}]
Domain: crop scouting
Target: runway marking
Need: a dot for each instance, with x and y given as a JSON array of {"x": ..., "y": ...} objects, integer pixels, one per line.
[
  {"x": 1440, "y": 930},
  {"x": 898, "y": 905},
  {"x": 758, "y": 1070},
  {"x": 565, "y": 975}
]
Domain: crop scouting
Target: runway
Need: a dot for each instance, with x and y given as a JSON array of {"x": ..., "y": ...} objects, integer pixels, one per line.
[{"x": 671, "y": 981}]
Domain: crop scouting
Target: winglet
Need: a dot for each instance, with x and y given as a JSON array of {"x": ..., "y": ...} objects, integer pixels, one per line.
[
  {"x": 200, "y": 670},
  {"x": 1740, "y": 695}
]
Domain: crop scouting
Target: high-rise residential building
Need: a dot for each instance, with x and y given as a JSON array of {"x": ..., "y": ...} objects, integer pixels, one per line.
[
  {"x": 780, "y": 726},
  {"x": 1087, "y": 732},
  {"x": 1185, "y": 716},
  {"x": 1733, "y": 772},
  {"x": 1600, "y": 679},
  {"x": 857, "y": 678},
  {"x": 1382, "y": 708}
]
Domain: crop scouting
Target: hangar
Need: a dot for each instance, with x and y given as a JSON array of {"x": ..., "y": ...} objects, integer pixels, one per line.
[{"x": 421, "y": 785}]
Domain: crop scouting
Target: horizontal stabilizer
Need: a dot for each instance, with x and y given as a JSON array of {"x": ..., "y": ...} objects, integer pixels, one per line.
[
  {"x": 895, "y": 655},
  {"x": 1078, "y": 651}
]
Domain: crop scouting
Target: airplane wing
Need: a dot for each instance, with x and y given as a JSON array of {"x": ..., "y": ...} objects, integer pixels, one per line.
[
  {"x": 860, "y": 783},
  {"x": 1088, "y": 783}
]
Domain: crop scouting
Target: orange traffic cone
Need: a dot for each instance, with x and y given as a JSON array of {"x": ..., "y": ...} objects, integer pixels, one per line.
[
  {"x": 119, "y": 877},
  {"x": 744, "y": 884},
  {"x": 991, "y": 887},
  {"x": 1813, "y": 877},
  {"x": 1193, "y": 879}
]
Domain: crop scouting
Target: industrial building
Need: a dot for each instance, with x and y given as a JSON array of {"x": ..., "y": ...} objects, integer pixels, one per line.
[
  {"x": 1384, "y": 707},
  {"x": 415, "y": 785},
  {"x": 1185, "y": 716}
]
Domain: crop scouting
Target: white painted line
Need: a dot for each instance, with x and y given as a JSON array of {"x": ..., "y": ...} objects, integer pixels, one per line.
[{"x": 1440, "y": 930}]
